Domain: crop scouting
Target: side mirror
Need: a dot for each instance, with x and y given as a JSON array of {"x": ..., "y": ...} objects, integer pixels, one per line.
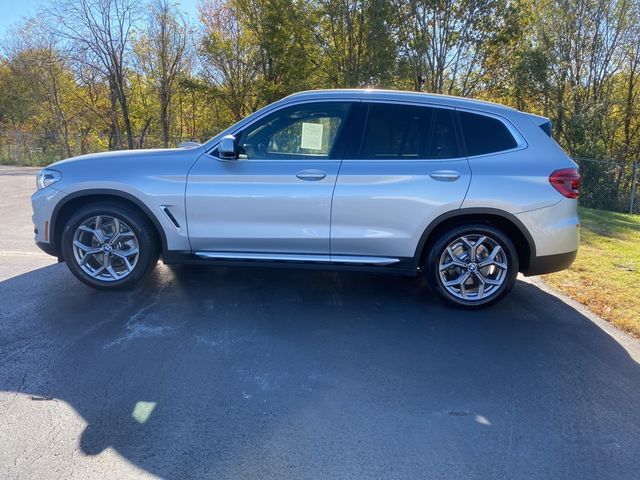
[{"x": 227, "y": 148}]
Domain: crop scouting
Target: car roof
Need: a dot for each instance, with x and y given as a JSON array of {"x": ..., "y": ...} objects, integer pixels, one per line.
[{"x": 402, "y": 96}]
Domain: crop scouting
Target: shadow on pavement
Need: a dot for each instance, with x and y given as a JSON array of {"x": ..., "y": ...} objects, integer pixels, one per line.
[{"x": 276, "y": 373}]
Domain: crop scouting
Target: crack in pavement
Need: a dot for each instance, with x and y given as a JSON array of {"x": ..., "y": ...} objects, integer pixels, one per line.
[{"x": 138, "y": 329}]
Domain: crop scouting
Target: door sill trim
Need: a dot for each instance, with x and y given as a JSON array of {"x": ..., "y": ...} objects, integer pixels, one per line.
[{"x": 291, "y": 257}]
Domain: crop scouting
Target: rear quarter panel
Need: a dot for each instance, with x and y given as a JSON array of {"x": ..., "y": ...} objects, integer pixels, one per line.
[{"x": 518, "y": 181}]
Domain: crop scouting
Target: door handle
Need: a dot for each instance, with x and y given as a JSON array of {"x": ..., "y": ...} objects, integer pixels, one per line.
[
  {"x": 311, "y": 175},
  {"x": 445, "y": 175}
]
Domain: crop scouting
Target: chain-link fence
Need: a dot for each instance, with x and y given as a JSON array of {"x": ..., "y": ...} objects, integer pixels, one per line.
[
  {"x": 26, "y": 148},
  {"x": 606, "y": 184}
]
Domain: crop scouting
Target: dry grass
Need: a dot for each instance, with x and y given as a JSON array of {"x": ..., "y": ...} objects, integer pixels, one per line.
[{"x": 606, "y": 275}]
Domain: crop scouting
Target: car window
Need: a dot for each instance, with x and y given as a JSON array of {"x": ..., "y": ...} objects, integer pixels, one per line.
[
  {"x": 409, "y": 132},
  {"x": 396, "y": 131},
  {"x": 308, "y": 130},
  {"x": 444, "y": 143},
  {"x": 483, "y": 134}
]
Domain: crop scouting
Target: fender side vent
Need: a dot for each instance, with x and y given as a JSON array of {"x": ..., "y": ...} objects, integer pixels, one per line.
[{"x": 170, "y": 216}]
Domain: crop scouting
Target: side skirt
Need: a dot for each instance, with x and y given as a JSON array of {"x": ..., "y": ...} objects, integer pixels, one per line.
[{"x": 396, "y": 266}]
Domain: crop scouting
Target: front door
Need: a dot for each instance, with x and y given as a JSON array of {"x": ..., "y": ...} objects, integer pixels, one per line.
[{"x": 275, "y": 198}]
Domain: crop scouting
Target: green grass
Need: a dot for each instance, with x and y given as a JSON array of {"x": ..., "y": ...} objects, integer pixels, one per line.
[{"x": 606, "y": 274}]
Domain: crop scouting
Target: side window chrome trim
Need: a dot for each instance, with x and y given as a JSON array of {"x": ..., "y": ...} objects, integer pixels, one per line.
[
  {"x": 521, "y": 143},
  {"x": 409, "y": 103}
]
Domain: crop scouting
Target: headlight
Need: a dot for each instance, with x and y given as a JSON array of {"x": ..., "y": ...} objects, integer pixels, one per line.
[{"x": 47, "y": 177}]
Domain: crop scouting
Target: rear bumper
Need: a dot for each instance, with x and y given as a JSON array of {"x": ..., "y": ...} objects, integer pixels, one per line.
[
  {"x": 555, "y": 231},
  {"x": 550, "y": 263}
]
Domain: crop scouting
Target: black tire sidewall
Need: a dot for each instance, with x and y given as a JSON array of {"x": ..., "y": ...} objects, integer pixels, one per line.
[
  {"x": 432, "y": 264},
  {"x": 138, "y": 224}
]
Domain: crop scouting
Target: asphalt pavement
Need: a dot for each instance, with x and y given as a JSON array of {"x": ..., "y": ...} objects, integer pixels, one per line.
[{"x": 275, "y": 374}]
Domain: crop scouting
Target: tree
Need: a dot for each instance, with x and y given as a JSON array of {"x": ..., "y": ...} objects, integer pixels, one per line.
[
  {"x": 35, "y": 59},
  {"x": 583, "y": 40},
  {"x": 282, "y": 34},
  {"x": 630, "y": 148},
  {"x": 163, "y": 53},
  {"x": 98, "y": 35},
  {"x": 228, "y": 57},
  {"x": 355, "y": 41},
  {"x": 446, "y": 43}
]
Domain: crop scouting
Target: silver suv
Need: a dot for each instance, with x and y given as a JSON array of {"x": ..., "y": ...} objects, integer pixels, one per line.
[{"x": 469, "y": 193}]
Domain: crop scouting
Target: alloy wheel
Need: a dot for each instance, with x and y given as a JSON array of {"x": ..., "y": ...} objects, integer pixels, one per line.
[
  {"x": 106, "y": 248},
  {"x": 473, "y": 267}
]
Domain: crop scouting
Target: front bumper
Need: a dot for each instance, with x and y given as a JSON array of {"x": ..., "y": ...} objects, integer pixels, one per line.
[
  {"x": 48, "y": 248},
  {"x": 43, "y": 203}
]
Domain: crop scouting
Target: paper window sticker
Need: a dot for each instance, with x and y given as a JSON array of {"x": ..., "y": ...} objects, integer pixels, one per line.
[{"x": 311, "y": 136}]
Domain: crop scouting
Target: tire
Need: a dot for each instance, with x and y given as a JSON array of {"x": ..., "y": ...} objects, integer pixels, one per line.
[
  {"x": 462, "y": 282},
  {"x": 99, "y": 258}
]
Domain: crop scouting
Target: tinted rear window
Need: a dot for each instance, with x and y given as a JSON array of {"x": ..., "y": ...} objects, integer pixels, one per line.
[
  {"x": 444, "y": 143},
  {"x": 484, "y": 134},
  {"x": 396, "y": 131},
  {"x": 408, "y": 132}
]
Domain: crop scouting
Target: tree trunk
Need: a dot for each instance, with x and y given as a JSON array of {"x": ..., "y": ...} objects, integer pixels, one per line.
[
  {"x": 164, "y": 114},
  {"x": 127, "y": 121},
  {"x": 143, "y": 133},
  {"x": 115, "y": 138}
]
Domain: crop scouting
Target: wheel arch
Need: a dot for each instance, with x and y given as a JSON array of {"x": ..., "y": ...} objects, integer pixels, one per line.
[
  {"x": 505, "y": 221},
  {"x": 72, "y": 202}
]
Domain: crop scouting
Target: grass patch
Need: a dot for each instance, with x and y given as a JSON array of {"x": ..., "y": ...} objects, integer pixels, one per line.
[{"x": 606, "y": 274}]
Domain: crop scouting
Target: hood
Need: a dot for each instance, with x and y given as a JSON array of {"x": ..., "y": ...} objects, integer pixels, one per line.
[{"x": 128, "y": 155}]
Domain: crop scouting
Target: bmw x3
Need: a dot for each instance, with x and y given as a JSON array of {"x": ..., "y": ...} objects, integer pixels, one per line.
[{"x": 468, "y": 193}]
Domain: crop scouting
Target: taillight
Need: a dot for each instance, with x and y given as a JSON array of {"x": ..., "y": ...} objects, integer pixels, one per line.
[{"x": 566, "y": 181}]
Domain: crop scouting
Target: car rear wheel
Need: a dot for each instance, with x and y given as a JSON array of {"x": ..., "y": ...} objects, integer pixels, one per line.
[
  {"x": 109, "y": 246},
  {"x": 472, "y": 266}
]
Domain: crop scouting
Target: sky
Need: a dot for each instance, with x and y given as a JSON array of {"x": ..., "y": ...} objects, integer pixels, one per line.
[{"x": 12, "y": 11}]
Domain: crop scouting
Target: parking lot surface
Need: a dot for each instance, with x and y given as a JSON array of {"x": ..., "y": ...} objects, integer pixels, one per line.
[{"x": 274, "y": 374}]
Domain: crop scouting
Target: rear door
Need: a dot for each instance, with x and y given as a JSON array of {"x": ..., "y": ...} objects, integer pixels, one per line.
[
  {"x": 276, "y": 197},
  {"x": 404, "y": 169}
]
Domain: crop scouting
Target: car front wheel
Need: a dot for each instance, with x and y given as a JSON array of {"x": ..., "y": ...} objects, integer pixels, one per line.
[
  {"x": 472, "y": 266},
  {"x": 109, "y": 246}
]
